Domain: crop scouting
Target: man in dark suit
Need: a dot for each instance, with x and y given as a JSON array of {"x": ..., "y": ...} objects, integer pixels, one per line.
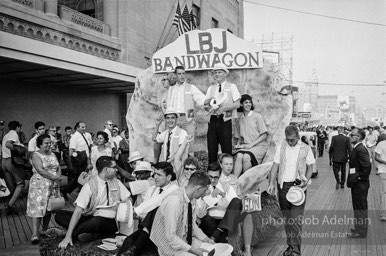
[
  {"x": 340, "y": 151},
  {"x": 360, "y": 168}
]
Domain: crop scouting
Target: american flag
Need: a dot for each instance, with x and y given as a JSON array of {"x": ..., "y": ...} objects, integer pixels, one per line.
[
  {"x": 183, "y": 21},
  {"x": 192, "y": 20}
]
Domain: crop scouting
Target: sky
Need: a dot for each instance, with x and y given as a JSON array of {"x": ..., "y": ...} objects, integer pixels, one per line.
[{"x": 342, "y": 52}]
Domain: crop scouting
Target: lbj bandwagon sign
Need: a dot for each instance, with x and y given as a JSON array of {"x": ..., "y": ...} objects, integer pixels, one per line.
[{"x": 201, "y": 50}]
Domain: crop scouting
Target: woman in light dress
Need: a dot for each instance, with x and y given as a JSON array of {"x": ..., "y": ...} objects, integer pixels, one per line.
[
  {"x": 252, "y": 137},
  {"x": 101, "y": 149},
  {"x": 44, "y": 183}
]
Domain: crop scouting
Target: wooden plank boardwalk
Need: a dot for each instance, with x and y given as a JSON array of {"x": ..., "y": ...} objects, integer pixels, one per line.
[{"x": 322, "y": 200}]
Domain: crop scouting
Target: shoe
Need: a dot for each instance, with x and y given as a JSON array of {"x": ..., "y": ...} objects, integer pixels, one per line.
[
  {"x": 288, "y": 251},
  {"x": 88, "y": 237},
  {"x": 337, "y": 186},
  {"x": 383, "y": 217},
  {"x": 34, "y": 239},
  {"x": 355, "y": 235},
  {"x": 54, "y": 232},
  {"x": 342, "y": 185},
  {"x": 8, "y": 209},
  {"x": 293, "y": 253},
  {"x": 14, "y": 210}
]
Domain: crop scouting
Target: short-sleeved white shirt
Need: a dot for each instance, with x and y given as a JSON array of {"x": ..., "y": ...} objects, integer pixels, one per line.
[
  {"x": 291, "y": 156},
  {"x": 235, "y": 92},
  {"x": 163, "y": 138},
  {"x": 381, "y": 150},
  {"x": 85, "y": 193},
  {"x": 78, "y": 143},
  {"x": 32, "y": 144},
  {"x": 10, "y": 136}
]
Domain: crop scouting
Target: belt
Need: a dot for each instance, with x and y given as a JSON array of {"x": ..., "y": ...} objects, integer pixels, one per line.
[{"x": 292, "y": 183}]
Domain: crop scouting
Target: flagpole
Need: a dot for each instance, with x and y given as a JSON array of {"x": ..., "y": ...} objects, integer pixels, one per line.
[{"x": 167, "y": 21}]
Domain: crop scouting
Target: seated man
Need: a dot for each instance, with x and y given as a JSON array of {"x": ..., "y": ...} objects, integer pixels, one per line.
[
  {"x": 143, "y": 172},
  {"x": 164, "y": 184},
  {"x": 224, "y": 191},
  {"x": 172, "y": 138},
  {"x": 174, "y": 229},
  {"x": 92, "y": 217}
]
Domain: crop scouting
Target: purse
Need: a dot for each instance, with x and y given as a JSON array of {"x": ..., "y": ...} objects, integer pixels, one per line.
[{"x": 56, "y": 201}]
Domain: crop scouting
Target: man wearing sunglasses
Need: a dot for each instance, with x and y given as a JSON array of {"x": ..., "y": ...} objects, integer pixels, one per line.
[
  {"x": 358, "y": 180},
  {"x": 293, "y": 161}
]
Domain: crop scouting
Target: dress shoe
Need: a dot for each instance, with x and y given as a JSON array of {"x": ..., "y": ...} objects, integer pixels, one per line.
[
  {"x": 288, "y": 251},
  {"x": 355, "y": 235},
  {"x": 383, "y": 217},
  {"x": 342, "y": 185},
  {"x": 337, "y": 186},
  {"x": 293, "y": 253}
]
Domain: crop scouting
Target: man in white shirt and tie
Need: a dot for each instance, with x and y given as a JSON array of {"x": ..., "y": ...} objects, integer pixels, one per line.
[{"x": 220, "y": 124}]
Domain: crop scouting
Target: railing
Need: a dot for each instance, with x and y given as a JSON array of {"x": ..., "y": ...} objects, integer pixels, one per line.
[
  {"x": 83, "y": 20},
  {"x": 34, "y": 4}
]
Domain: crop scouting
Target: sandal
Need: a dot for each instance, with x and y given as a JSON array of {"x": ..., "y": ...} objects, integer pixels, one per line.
[{"x": 34, "y": 239}]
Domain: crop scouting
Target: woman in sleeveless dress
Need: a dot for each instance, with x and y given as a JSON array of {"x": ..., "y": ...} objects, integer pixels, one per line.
[{"x": 44, "y": 183}]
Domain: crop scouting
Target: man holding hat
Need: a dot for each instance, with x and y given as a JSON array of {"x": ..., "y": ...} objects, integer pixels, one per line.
[
  {"x": 220, "y": 124},
  {"x": 143, "y": 173},
  {"x": 293, "y": 165},
  {"x": 172, "y": 138}
]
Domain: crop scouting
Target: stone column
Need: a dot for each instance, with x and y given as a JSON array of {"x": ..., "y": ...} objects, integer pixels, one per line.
[
  {"x": 51, "y": 7},
  {"x": 110, "y": 15}
]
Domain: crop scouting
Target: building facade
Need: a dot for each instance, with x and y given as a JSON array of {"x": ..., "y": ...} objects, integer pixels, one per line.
[{"x": 68, "y": 60}]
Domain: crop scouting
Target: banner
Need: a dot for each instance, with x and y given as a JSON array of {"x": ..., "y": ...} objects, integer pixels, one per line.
[{"x": 201, "y": 50}]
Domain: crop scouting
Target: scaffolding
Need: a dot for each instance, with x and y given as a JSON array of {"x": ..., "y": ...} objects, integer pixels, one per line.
[{"x": 283, "y": 44}]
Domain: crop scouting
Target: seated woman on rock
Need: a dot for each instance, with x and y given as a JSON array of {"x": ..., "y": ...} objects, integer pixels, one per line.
[
  {"x": 223, "y": 193},
  {"x": 252, "y": 137}
]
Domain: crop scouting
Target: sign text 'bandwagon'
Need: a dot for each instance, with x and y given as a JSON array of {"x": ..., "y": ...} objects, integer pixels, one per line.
[{"x": 201, "y": 50}]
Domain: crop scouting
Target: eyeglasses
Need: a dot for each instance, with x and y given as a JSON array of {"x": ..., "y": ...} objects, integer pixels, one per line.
[
  {"x": 214, "y": 177},
  {"x": 190, "y": 169}
]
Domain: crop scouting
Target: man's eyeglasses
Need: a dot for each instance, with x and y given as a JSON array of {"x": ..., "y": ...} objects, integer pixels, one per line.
[
  {"x": 214, "y": 177},
  {"x": 190, "y": 169}
]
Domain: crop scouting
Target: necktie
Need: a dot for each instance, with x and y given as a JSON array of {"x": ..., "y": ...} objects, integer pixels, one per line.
[
  {"x": 168, "y": 146},
  {"x": 160, "y": 190},
  {"x": 190, "y": 224},
  {"x": 107, "y": 194},
  {"x": 219, "y": 87}
]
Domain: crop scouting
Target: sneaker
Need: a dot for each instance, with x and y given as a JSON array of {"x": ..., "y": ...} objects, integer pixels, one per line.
[
  {"x": 8, "y": 209},
  {"x": 14, "y": 210}
]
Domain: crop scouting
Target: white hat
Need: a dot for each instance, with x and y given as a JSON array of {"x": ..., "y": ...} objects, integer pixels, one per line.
[
  {"x": 125, "y": 213},
  {"x": 218, "y": 100},
  {"x": 221, "y": 249},
  {"x": 134, "y": 156},
  {"x": 171, "y": 111},
  {"x": 220, "y": 66},
  {"x": 142, "y": 166},
  {"x": 217, "y": 212},
  {"x": 296, "y": 195}
]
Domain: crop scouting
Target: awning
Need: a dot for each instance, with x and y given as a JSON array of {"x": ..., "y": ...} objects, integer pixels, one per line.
[{"x": 34, "y": 61}]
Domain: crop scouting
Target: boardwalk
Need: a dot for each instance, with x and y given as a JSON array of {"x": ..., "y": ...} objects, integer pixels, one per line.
[{"x": 322, "y": 200}]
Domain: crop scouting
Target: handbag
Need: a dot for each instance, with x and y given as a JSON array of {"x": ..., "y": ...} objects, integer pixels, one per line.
[
  {"x": 56, "y": 201},
  {"x": 4, "y": 191}
]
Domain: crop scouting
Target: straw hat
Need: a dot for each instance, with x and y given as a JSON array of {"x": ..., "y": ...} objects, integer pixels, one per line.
[
  {"x": 143, "y": 166},
  {"x": 221, "y": 249},
  {"x": 220, "y": 66},
  {"x": 216, "y": 212},
  {"x": 134, "y": 156},
  {"x": 296, "y": 195},
  {"x": 125, "y": 213},
  {"x": 218, "y": 100},
  {"x": 171, "y": 111}
]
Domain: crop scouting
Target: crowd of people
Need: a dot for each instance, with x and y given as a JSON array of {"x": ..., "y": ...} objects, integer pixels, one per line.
[{"x": 174, "y": 204}]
